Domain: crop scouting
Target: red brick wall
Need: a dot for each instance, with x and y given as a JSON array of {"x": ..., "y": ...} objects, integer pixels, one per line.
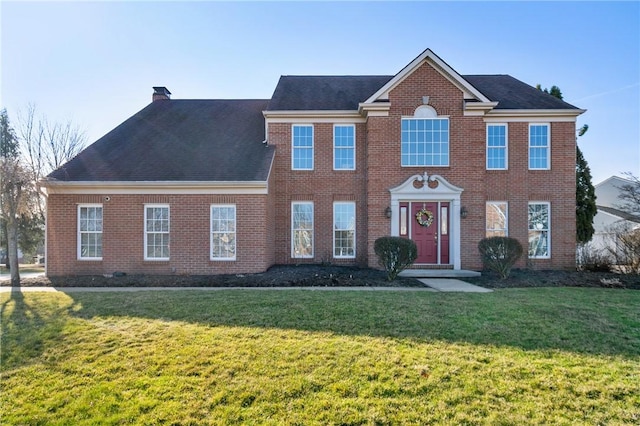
[
  {"x": 467, "y": 170},
  {"x": 123, "y": 235},
  {"x": 323, "y": 186}
]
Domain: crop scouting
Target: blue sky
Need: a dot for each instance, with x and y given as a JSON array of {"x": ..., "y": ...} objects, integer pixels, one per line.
[{"x": 95, "y": 62}]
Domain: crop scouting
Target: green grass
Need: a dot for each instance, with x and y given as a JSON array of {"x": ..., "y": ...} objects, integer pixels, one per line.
[
  {"x": 24, "y": 268},
  {"x": 535, "y": 356}
]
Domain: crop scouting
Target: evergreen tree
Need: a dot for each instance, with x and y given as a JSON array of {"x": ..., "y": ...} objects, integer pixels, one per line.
[
  {"x": 585, "y": 192},
  {"x": 585, "y": 200},
  {"x": 9, "y": 146}
]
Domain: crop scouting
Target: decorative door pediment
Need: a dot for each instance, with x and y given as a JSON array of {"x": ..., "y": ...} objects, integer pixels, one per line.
[{"x": 434, "y": 186}]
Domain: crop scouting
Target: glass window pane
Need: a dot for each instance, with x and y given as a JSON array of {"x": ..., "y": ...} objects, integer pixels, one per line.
[
  {"x": 496, "y": 219},
  {"x": 425, "y": 142},
  {"x": 223, "y": 237}
]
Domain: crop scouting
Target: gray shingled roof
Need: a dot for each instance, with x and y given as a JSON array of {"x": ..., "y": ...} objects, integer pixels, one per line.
[
  {"x": 512, "y": 93},
  {"x": 179, "y": 140},
  {"x": 319, "y": 93},
  {"x": 299, "y": 93}
]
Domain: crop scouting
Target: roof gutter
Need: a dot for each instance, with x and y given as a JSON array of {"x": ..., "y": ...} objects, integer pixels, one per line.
[{"x": 155, "y": 187}]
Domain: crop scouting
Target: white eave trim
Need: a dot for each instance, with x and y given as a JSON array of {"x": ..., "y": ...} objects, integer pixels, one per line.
[
  {"x": 157, "y": 187},
  {"x": 376, "y": 109},
  {"x": 317, "y": 116},
  {"x": 448, "y": 72},
  {"x": 532, "y": 115},
  {"x": 478, "y": 108}
]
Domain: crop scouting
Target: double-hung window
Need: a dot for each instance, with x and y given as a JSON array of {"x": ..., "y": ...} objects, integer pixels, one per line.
[
  {"x": 344, "y": 230},
  {"x": 156, "y": 232},
  {"x": 539, "y": 244},
  {"x": 302, "y": 147},
  {"x": 496, "y": 147},
  {"x": 90, "y": 232},
  {"x": 344, "y": 147},
  {"x": 302, "y": 230},
  {"x": 496, "y": 219},
  {"x": 223, "y": 232},
  {"x": 425, "y": 142},
  {"x": 539, "y": 144}
]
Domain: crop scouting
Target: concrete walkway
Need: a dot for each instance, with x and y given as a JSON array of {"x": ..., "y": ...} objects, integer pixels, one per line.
[
  {"x": 8, "y": 289},
  {"x": 452, "y": 285}
]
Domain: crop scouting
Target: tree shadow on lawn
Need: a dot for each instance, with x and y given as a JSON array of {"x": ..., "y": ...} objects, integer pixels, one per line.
[
  {"x": 584, "y": 321},
  {"x": 25, "y": 332}
]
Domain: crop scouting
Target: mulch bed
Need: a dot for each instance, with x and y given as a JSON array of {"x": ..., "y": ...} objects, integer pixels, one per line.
[
  {"x": 552, "y": 278},
  {"x": 338, "y": 276}
]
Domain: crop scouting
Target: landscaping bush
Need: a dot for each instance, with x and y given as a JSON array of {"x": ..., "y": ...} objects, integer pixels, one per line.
[
  {"x": 499, "y": 254},
  {"x": 627, "y": 251},
  {"x": 593, "y": 260},
  {"x": 395, "y": 254}
]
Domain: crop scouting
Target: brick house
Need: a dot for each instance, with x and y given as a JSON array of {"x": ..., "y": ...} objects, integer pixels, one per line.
[{"x": 318, "y": 172}]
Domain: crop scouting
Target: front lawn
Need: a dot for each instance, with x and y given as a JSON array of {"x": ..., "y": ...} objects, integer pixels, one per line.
[{"x": 516, "y": 356}]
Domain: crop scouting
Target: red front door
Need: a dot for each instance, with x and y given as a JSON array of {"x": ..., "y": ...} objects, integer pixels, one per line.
[
  {"x": 424, "y": 231},
  {"x": 427, "y": 224}
]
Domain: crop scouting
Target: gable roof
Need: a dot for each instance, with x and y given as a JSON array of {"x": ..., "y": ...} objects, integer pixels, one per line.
[
  {"x": 427, "y": 56},
  {"x": 619, "y": 213},
  {"x": 179, "y": 140}
]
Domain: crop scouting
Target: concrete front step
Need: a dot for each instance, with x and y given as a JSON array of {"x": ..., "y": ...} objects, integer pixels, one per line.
[{"x": 438, "y": 273}]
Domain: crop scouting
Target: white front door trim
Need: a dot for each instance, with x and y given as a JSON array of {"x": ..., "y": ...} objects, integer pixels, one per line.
[{"x": 429, "y": 188}]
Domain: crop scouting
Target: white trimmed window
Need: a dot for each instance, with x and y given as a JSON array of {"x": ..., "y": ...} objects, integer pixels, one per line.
[
  {"x": 539, "y": 147},
  {"x": 344, "y": 230},
  {"x": 156, "y": 232},
  {"x": 344, "y": 147},
  {"x": 497, "y": 147},
  {"x": 539, "y": 226},
  {"x": 302, "y": 230},
  {"x": 223, "y": 232},
  {"x": 425, "y": 139},
  {"x": 496, "y": 217},
  {"x": 302, "y": 147},
  {"x": 90, "y": 231}
]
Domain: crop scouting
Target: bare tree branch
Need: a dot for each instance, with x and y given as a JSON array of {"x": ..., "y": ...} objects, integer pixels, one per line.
[{"x": 630, "y": 195}]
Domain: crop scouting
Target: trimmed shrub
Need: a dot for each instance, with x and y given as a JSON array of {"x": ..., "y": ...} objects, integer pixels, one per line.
[
  {"x": 499, "y": 254},
  {"x": 395, "y": 254}
]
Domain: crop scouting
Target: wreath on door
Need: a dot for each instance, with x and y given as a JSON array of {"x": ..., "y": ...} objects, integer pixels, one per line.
[{"x": 424, "y": 217}]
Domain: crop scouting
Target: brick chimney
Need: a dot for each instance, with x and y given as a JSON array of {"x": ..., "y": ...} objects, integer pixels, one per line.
[{"x": 160, "y": 94}]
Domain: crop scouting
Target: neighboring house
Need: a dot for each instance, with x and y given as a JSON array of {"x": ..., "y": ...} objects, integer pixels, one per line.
[
  {"x": 611, "y": 218},
  {"x": 320, "y": 171}
]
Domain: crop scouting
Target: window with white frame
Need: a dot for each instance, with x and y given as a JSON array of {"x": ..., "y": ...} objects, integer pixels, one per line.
[
  {"x": 425, "y": 142},
  {"x": 223, "y": 232},
  {"x": 496, "y": 218},
  {"x": 156, "y": 232},
  {"x": 344, "y": 147},
  {"x": 90, "y": 232},
  {"x": 302, "y": 229},
  {"x": 539, "y": 226},
  {"x": 496, "y": 147},
  {"x": 302, "y": 147},
  {"x": 344, "y": 230},
  {"x": 539, "y": 152}
]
